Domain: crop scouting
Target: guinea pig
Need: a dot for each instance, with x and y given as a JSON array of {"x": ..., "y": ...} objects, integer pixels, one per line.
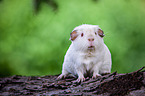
[{"x": 87, "y": 54}]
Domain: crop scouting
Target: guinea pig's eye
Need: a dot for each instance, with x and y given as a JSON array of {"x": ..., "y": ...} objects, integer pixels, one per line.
[
  {"x": 95, "y": 33},
  {"x": 82, "y": 34}
]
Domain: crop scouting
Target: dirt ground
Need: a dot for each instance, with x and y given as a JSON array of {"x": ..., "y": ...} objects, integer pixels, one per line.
[{"x": 114, "y": 84}]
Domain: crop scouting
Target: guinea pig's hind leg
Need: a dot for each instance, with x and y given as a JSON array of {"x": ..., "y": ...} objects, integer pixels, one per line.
[{"x": 63, "y": 75}]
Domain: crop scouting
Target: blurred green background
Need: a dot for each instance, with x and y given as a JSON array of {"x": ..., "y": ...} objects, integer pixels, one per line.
[{"x": 34, "y": 34}]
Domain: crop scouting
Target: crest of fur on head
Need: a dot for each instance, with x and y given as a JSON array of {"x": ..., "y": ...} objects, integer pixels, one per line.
[{"x": 87, "y": 37}]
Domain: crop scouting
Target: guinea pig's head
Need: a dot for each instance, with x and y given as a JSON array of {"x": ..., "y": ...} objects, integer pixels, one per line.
[{"x": 87, "y": 37}]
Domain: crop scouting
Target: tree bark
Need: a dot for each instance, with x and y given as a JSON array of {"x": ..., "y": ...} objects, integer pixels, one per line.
[{"x": 130, "y": 84}]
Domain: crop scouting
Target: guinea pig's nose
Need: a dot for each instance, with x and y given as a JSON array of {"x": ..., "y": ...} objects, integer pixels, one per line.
[{"x": 91, "y": 39}]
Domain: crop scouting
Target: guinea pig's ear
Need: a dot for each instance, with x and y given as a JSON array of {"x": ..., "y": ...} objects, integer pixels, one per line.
[
  {"x": 101, "y": 33},
  {"x": 73, "y": 35}
]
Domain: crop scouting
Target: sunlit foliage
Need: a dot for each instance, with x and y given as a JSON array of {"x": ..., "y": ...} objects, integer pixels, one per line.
[{"x": 34, "y": 43}]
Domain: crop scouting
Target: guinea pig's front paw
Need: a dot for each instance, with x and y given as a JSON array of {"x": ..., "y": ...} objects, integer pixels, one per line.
[
  {"x": 80, "y": 79},
  {"x": 96, "y": 76}
]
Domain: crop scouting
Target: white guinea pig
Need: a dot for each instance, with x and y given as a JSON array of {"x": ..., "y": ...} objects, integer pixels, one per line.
[{"x": 87, "y": 55}]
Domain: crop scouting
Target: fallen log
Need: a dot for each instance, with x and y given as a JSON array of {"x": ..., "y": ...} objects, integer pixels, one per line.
[{"x": 129, "y": 84}]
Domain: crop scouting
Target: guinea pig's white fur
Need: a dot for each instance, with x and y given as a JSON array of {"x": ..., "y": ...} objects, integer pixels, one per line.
[{"x": 87, "y": 54}]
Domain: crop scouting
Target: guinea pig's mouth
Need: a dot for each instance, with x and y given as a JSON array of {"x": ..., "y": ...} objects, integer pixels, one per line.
[{"x": 91, "y": 47}]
